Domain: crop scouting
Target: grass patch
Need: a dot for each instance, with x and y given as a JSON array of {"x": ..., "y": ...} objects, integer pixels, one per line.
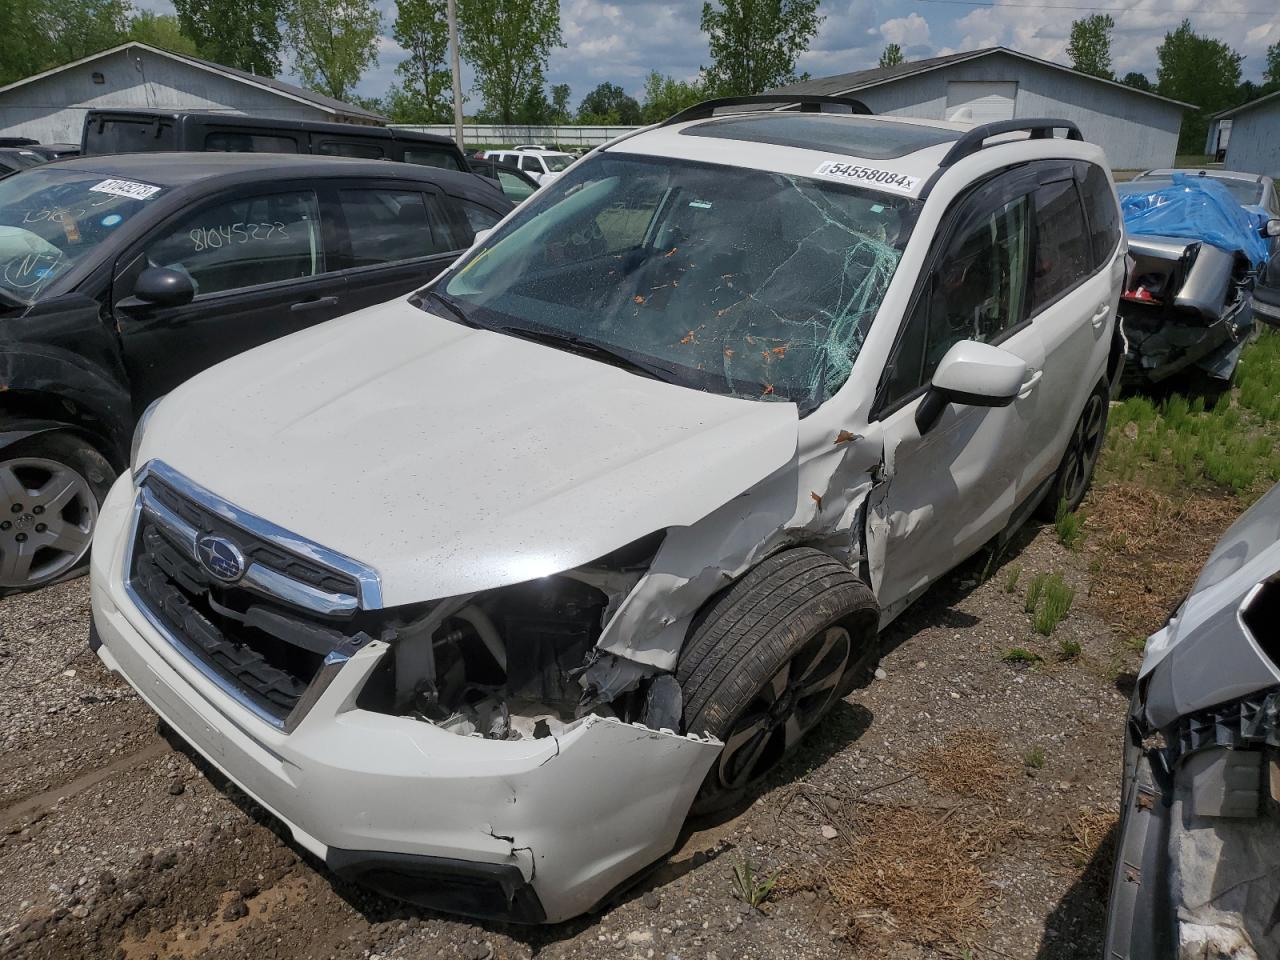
[
  {"x": 1021, "y": 655},
  {"x": 1180, "y": 445},
  {"x": 1034, "y": 758},
  {"x": 1069, "y": 649},
  {"x": 1011, "y": 577},
  {"x": 1053, "y": 610},
  {"x": 1069, "y": 524},
  {"x": 1034, "y": 589}
]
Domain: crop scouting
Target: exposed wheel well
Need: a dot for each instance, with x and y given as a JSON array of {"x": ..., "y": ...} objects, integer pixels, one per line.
[{"x": 38, "y": 407}]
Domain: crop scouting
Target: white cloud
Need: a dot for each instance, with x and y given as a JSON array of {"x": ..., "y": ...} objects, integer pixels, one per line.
[{"x": 909, "y": 31}]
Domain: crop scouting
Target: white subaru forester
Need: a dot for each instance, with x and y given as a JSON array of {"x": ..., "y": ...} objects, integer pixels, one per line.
[{"x": 482, "y": 590}]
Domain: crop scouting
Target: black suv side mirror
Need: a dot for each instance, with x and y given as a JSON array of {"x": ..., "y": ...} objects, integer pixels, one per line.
[{"x": 162, "y": 287}]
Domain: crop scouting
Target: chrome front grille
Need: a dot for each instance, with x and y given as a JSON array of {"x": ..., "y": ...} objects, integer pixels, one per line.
[{"x": 274, "y": 632}]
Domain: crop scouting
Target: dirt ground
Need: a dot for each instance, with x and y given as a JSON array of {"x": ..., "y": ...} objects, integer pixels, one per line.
[{"x": 963, "y": 805}]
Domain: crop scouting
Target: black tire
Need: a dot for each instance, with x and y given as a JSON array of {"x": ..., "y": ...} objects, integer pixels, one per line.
[
  {"x": 1074, "y": 475},
  {"x": 41, "y": 523},
  {"x": 790, "y": 611}
]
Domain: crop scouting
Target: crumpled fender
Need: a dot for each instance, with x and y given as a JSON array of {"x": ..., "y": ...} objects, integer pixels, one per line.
[
  {"x": 815, "y": 499},
  {"x": 15, "y": 431}
]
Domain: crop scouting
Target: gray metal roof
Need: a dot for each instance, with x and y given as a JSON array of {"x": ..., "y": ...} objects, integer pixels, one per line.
[
  {"x": 862, "y": 79},
  {"x": 326, "y": 103},
  {"x": 1247, "y": 106}
]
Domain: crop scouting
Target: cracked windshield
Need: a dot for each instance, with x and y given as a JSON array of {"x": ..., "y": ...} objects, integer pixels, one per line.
[
  {"x": 741, "y": 282},
  {"x": 50, "y": 219}
]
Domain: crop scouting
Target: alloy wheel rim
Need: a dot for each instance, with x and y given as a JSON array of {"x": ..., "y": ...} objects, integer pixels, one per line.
[
  {"x": 47, "y": 514},
  {"x": 785, "y": 708},
  {"x": 1086, "y": 443}
]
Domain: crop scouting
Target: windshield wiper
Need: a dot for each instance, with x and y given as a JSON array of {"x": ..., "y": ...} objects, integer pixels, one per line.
[
  {"x": 450, "y": 306},
  {"x": 588, "y": 348}
]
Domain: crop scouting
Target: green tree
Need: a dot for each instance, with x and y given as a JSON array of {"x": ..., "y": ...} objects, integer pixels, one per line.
[
  {"x": 1197, "y": 70},
  {"x": 1272, "y": 74},
  {"x": 754, "y": 44},
  {"x": 333, "y": 42},
  {"x": 892, "y": 56},
  {"x": 161, "y": 30},
  {"x": 666, "y": 96},
  {"x": 244, "y": 34},
  {"x": 1137, "y": 80},
  {"x": 421, "y": 27},
  {"x": 77, "y": 28},
  {"x": 508, "y": 44},
  {"x": 1090, "y": 45},
  {"x": 560, "y": 110},
  {"x": 609, "y": 104},
  {"x": 25, "y": 48}
]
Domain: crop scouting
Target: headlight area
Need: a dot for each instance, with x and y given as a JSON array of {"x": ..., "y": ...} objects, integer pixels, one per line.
[{"x": 504, "y": 664}]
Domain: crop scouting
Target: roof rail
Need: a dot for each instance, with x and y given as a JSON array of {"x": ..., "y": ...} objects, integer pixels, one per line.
[
  {"x": 809, "y": 103},
  {"x": 1040, "y": 128}
]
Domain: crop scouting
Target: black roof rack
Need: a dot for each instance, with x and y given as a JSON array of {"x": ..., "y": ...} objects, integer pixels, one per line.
[
  {"x": 1040, "y": 128},
  {"x": 809, "y": 103}
]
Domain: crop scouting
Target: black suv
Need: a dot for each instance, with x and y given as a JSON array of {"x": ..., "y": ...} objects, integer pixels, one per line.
[
  {"x": 135, "y": 131},
  {"x": 122, "y": 276}
]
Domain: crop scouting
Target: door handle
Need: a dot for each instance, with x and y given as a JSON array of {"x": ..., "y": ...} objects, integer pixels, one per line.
[
  {"x": 1029, "y": 384},
  {"x": 318, "y": 304},
  {"x": 1100, "y": 315}
]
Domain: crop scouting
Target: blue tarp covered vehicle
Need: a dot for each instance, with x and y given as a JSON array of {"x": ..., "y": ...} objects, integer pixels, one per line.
[{"x": 1194, "y": 253}]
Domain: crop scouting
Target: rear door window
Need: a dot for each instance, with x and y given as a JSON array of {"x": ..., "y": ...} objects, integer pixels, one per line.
[
  {"x": 1063, "y": 256},
  {"x": 348, "y": 148},
  {"x": 244, "y": 242},
  {"x": 1104, "y": 214},
  {"x": 386, "y": 225},
  {"x": 226, "y": 141},
  {"x": 530, "y": 164}
]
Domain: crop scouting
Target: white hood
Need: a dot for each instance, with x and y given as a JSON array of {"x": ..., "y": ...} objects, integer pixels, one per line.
[{"x": 452, "y": 460}]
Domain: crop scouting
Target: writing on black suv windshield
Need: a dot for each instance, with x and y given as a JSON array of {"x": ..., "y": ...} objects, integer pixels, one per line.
[
  {"x": 51, "y": 219},
  {"x": 742, "y": 282}
]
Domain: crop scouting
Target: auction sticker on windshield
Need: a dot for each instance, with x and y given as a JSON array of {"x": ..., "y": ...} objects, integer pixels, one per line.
[
  {"x": 126, "y": 188},
  {"x": 871, "y": 176}
]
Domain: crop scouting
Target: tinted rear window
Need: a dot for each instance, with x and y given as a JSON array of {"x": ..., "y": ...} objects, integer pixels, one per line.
[
  {"x": 828, "y": 132},
  {"x": 227, "y": 141},
  {"x": 347, "y": 148},
  {"x": 429, "y": 157},
  {"x": 109, "y": 135}
]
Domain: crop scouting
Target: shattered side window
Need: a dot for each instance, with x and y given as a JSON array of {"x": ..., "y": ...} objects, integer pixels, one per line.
[{"x": 736, "y": 281}]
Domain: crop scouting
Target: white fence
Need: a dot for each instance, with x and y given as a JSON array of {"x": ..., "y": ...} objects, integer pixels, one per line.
[{"x": 497, "y": 133}]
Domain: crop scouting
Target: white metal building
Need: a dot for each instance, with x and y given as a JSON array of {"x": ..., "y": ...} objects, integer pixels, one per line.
[
  {"x": 50, "y": 106},
  {"x": 1137, "y": 129},
  {"x": 1254, "y": 146}
]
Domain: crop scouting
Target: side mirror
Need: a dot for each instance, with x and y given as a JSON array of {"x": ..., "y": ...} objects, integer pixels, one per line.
[
  {"x": 1272, "y": 228},
  {"x": 974, "y": 373},
  {"x": 162, "y": 287}
]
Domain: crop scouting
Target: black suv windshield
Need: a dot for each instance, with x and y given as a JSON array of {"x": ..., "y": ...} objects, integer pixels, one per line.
[
  {"x": 741, "y": 282},
  {"x": 51, "y": 219}
]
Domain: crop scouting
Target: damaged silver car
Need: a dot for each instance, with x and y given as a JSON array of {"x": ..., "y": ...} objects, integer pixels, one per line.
[
  {"x": 1195, "y": 872},
  {"x": 480, "y": 591}
]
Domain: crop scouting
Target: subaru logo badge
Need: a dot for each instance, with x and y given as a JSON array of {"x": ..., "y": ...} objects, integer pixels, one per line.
[{"x": 220, "y": 557}]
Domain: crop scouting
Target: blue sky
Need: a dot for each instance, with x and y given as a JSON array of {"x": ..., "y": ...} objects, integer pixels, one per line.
[{"x": 621, "y": 41}]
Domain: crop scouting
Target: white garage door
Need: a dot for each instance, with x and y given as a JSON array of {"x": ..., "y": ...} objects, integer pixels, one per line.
[{"x": 986, "y": 100}]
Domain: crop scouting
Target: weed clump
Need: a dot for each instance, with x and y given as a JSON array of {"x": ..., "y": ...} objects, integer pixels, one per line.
[
  {"x": 1034, "y": 589},
  {"x": 1057, "y": 601},
  {"x": 1069, "y": 525}
]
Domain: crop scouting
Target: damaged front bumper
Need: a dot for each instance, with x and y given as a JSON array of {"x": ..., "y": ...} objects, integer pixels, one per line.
[
  {"x": 528, "y": 830},
  {"x": 1195, "y": 872}
]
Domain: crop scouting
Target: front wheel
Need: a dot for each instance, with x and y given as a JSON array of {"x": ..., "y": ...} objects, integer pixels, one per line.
[
  {"x": 767, "y": 660},
  {"x": 51, "y": 486}
]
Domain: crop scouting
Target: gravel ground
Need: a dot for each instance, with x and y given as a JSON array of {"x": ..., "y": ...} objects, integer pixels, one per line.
[{"x": 962, "y": 805}]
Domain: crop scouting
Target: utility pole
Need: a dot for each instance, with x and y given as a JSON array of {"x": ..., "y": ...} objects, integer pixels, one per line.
[{"x": 457, "y": 73}]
